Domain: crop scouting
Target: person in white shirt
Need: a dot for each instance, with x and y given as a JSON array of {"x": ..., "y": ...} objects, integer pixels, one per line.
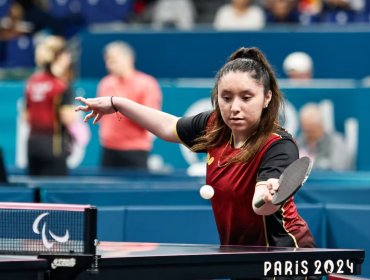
[
  {"x": 239, "y": 15},
  {"x": 174, "y": 13}
]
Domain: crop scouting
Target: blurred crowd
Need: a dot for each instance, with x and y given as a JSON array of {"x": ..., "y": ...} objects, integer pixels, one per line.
[
  {"x": 66, "y": 16},
  {"x": 21, "y": 21},
  {"x": 24, "y": 24}
]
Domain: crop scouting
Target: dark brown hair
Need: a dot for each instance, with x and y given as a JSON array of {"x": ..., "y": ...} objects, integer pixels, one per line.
[{"x": 252, "y": 61}]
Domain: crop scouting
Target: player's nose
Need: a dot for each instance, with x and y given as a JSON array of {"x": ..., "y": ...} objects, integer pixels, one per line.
[{"x": 235, "y": 105}]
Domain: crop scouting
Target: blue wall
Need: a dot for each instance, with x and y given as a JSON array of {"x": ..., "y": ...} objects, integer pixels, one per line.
[
  {"x": 337, "y": 53},
  {"x": 179, "y": 99}
]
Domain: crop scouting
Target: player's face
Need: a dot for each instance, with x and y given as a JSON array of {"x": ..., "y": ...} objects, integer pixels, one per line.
[{"x": 241, "y": 99}]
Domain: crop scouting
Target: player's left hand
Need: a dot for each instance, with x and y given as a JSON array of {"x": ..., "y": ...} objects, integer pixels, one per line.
[{"x": 98, "y": 106}]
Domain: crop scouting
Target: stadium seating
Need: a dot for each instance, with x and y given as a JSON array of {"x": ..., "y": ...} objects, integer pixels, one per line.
[
  {"x": 4, "y": 7},
  {"x": 106, "y": 11},
  {"x": 63, "y": 8},
  {"x": 20, "y": 52}
]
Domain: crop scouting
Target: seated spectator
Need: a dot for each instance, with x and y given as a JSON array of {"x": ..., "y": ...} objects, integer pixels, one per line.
[
  {"x": 142, "y": 11},
  {"x": 206, "y": 11},
  {"x": 281, "y": 11},
  {"x": 105, "y": 13},
  {"x": 173, "y": 13},
  {"x": 13, "y": 24},
  {"x": 298, "y": 66},
  {"x": 342, "y": 11},
  {"x": 328, "y": 151},
  {"x": 239, "y": 14},
  {"x": 39, "y": 14},
  {"x": 309, "y": 11},
  {"x": 16, "y": 48}
]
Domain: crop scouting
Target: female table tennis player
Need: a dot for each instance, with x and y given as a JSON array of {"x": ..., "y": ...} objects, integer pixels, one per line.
[{"x": 247, "y": 150}]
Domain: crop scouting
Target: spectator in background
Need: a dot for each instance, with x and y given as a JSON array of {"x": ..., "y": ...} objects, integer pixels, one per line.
[
  {"x": 343, "y": 11},
  {"x": 281, "y": 11},
  {"x": 13, "y": 24},
  {"x": 125, "y": 144},
  {"x": 239, "y": 14},
  {"x": 309, "y": 11},
  {"x": 298, "y": 66},
  {"x": 49, "y": 113},
  {"x": 173, "y": 13},
  {"x": 142, "y": 11},
  {"x": 15, "y": 38},
  {"x": 38, "y": 13},
  {"x": 328, "y": 151}
]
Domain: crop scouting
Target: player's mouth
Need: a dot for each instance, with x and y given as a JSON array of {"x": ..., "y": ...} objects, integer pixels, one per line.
[{"x": 236, "y": 120}]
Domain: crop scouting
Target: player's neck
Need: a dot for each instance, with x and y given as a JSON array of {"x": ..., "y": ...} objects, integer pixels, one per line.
[{"x": 239, "y": 142}]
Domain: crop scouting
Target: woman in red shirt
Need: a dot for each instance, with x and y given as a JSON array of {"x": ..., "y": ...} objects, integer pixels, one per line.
[{"x": 49, "y": 112}]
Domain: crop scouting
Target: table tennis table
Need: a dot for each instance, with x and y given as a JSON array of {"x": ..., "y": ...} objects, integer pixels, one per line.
[
  {"x": 59, "y": 242},
  {"x": 125, "y": 260}
]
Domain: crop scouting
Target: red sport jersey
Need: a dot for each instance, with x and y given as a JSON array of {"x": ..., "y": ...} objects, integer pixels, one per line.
[
  {"x": 234, "y": 186},
  {"x": 44, "y": 96}
]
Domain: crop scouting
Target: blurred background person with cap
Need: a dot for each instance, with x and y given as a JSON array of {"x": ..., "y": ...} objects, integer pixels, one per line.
[{"x": 298, "y": 66}]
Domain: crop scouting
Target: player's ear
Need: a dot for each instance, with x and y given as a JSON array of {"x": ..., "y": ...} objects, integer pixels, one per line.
[{"x": 267, "y": 100}]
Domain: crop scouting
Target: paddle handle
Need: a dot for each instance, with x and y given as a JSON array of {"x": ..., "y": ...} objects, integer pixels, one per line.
[{"x": 259, "y": 203}]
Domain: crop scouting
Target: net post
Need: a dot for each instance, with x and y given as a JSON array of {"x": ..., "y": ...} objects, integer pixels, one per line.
[{"x": 90, "y": 230}]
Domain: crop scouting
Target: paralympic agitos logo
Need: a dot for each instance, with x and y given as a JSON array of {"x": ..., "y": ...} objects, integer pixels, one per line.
[{"x": 48, "y": 244}]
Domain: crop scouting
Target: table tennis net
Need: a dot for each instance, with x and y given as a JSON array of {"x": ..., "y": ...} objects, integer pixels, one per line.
[{"x": 47, "y": 231}]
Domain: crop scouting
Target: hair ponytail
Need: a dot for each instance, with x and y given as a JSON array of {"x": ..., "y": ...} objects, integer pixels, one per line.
[
  {"x": 256, "y": 55},
  {"x": 246, "y": 53}
]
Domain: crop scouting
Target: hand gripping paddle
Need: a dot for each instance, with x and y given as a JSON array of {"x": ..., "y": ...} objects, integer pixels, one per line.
[{"x": 292, "y": 178}]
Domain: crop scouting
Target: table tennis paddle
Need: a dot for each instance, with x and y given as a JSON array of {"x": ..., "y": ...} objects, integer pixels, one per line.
[{"x": 292, "y": 178}]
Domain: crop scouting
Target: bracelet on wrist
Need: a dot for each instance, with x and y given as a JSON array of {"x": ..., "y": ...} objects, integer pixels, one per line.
[
  {"x": 111, "y": 102},
  {"x": 115, "y": 109}
]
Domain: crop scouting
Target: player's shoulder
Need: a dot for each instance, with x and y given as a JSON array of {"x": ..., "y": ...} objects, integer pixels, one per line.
[
  {"x": 283, "y": 145},
  {"x": 284, "y": 134},
  {"x": 201, "y": 119}
]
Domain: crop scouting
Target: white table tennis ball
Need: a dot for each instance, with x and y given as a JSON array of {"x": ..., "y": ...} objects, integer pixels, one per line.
[{"x": 206, "y": 192}]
